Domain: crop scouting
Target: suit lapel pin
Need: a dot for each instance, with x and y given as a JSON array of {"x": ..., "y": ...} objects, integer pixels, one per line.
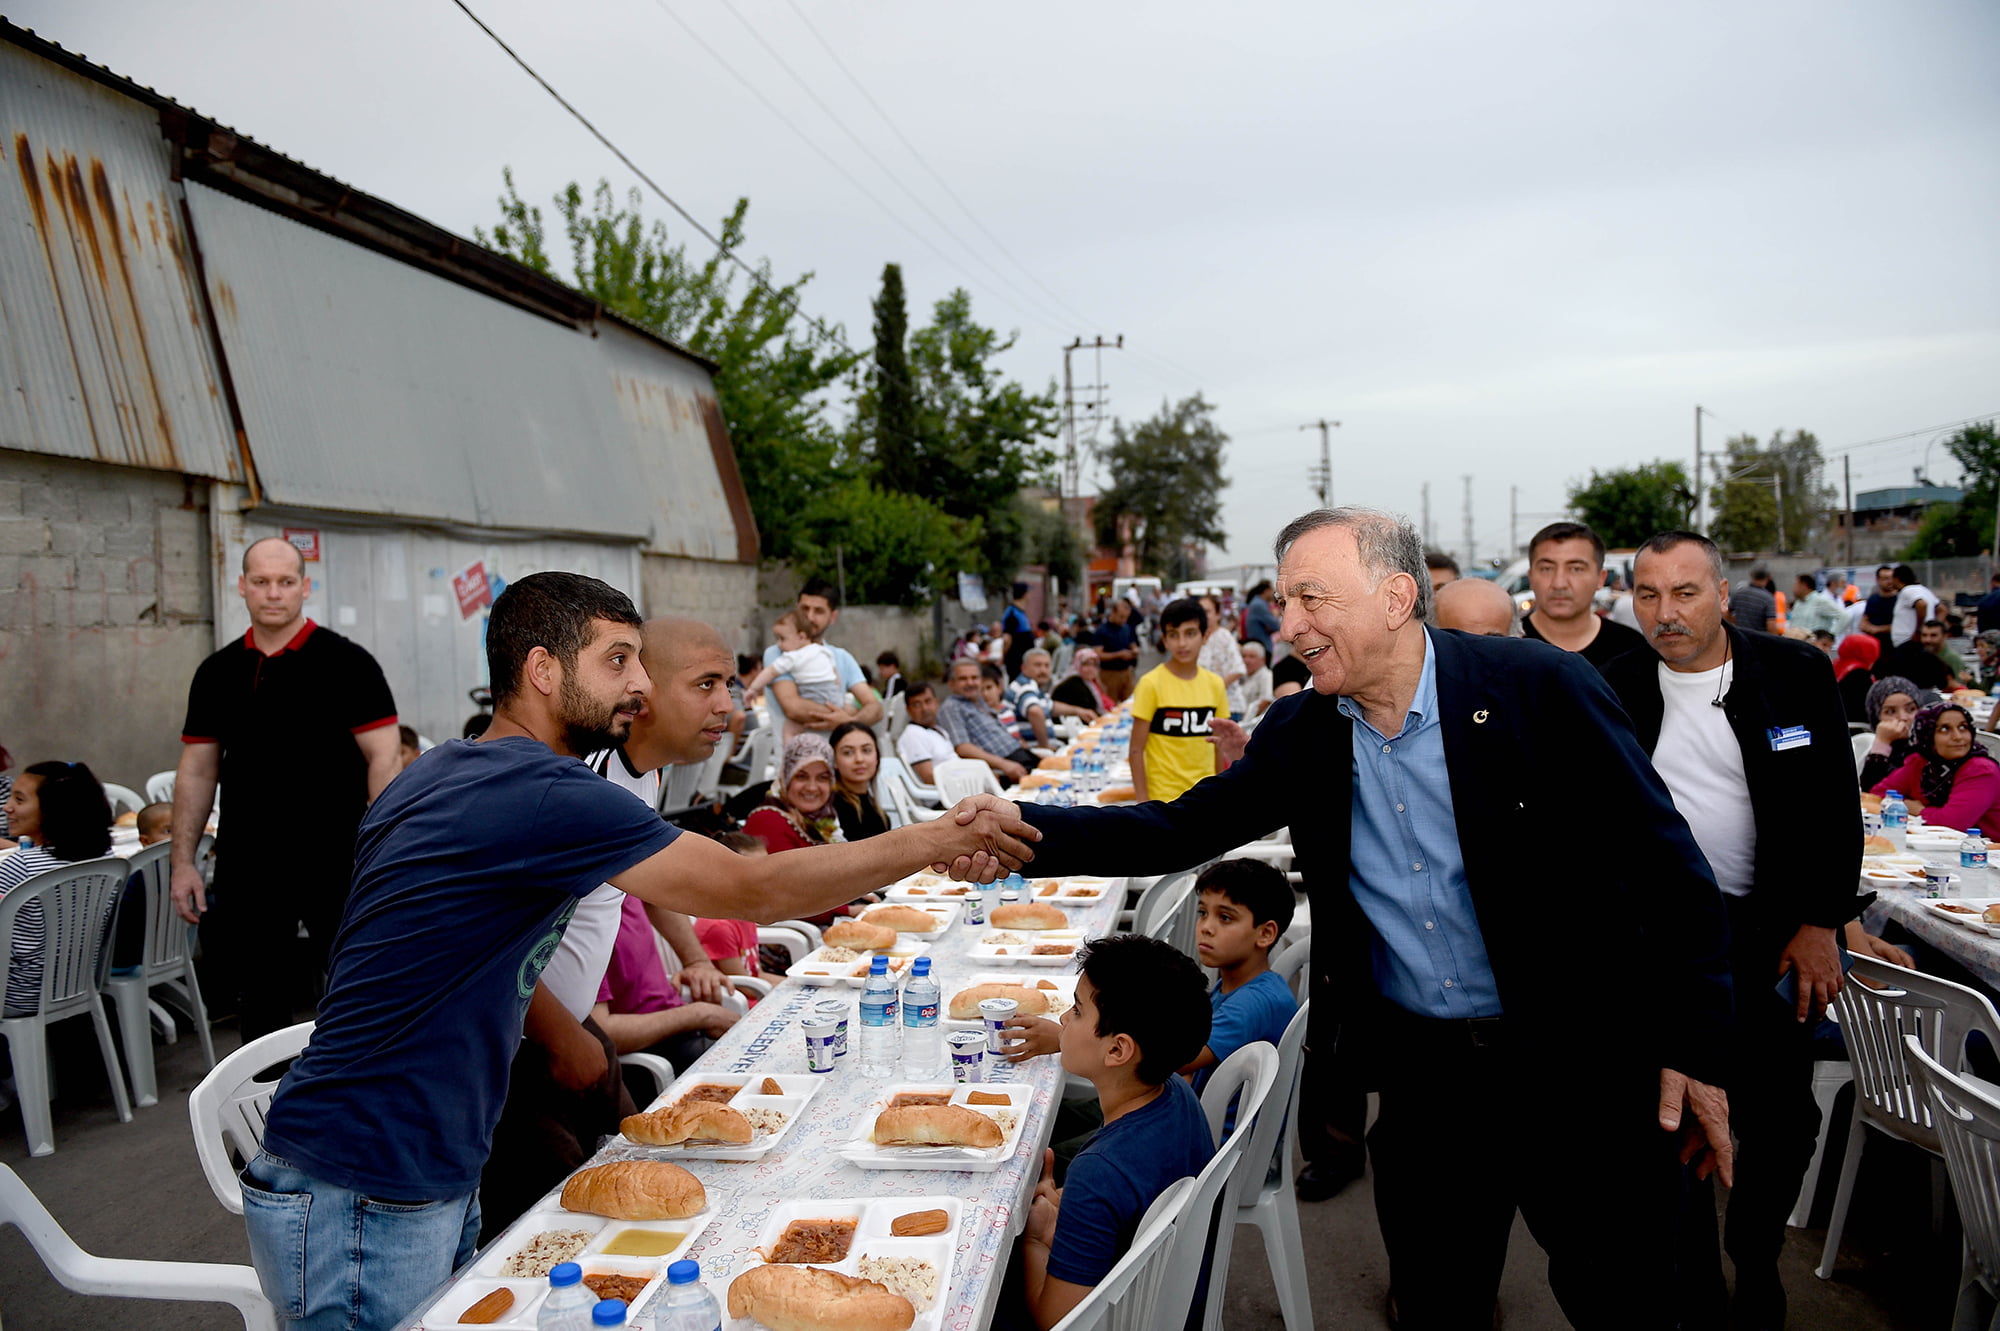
[{"x": 1479, "y": 717}]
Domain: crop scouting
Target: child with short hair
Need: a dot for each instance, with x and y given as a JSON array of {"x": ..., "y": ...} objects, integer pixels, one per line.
[
  {"x": 809, "y": 664},
  {"x": 1245, "y": 908},
  {"x": 155, "y": 823},
  {"x": 1139, "y": 1015},
  {"x": 1174, "y": 710}
]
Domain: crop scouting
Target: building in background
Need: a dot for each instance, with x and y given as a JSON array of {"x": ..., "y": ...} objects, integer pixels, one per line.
[{"x": 1886, "y": 521}]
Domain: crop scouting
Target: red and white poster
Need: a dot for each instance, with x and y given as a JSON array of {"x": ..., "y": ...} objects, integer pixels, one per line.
[
  {"x": 475, "y": 593},
  {"x": 307, "y": 541}
]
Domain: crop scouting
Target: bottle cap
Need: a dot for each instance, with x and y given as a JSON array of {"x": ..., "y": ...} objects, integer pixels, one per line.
[
  {"x": 608, "y": 1312},
  {"x": 684, "y": 1272},
  {"x": 1894, "y": 795},
  {"x": 564, "y": 1274},
  {"x": 1972, "y": 831},
  {"x": 879, "y": 965},
  {"x": 922, "y": 965}
]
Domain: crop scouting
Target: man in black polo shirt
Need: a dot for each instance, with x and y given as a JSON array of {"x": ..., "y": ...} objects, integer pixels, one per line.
[
  {"x": 298, "y": 722},
  {"x": 1565, "y": 568}
]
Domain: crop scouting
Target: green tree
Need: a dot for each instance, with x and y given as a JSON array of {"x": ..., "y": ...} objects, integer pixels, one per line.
[
  {"x": 1048, "y": 539},
  {"x": 897, "y": 451},
  {"x": 1966, "y": 527},
  {"x": 772, "y": 371},
  {"x": 1166, "y": 483},
  {"x": 886, "y": 547},
  {"x": 1628, "y": 504},
  {"x": 1747, "y": 497}
]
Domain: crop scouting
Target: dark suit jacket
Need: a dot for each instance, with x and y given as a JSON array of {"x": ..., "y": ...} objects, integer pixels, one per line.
[
  {"x": 1605, "y": 930},
  {"x": 1808, "y": 820}
]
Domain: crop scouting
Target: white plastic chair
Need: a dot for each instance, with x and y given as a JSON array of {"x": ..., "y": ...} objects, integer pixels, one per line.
[
  {"x": 658, "y": 1069},
  {"x": 1167, "y": 911},
  {"x": 1829, "y": 1075},
  {"x": 1293, "y": 963},
  {"x": 895, "y": 716},
  {"x": 918, "y": 791},
  {"x": 961, "y": 778},
  {"x": 1268, "y": 1201},
  {"x": 1873, "y": 1021},
  {"x": 1253, "y": 1071},
  {"x": 759, "y": 751},
  {"x": 123, "y": 799},
  {"x": 75, "y": 1269},
  {"x": 1862, "y": 743},
  {"x": 78, "y": 902},
  {"x": 1128, "y": 1298},
  {"x": 794, "y": 943},
  {"x": 896, "y": 791},
  {"x": 1968, "y": 1122},
  {"x": 810, "y": 931},
  {"x": 227, "y": 1109},
  {"x": 167, "y": 960}
]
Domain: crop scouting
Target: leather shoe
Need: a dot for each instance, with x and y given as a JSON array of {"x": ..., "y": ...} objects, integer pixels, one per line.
[{"x": 1319, "y": 1181}]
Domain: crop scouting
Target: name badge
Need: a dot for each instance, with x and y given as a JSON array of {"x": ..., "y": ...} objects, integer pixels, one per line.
[{"x": 1788, "y": 737}]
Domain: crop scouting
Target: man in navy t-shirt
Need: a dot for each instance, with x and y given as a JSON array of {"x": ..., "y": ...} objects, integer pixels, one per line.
[{"x": 467, "y": 869}]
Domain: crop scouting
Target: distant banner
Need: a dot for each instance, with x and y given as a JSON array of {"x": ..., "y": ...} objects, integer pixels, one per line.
[
  {"x": 972, "y": 592},
  {"x": 475, "y": 590}
]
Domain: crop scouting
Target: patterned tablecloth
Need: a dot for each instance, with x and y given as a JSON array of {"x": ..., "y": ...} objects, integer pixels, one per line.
[
  {"x": 1977, "y": 952},
  {"x": 806, "y": 1164}
]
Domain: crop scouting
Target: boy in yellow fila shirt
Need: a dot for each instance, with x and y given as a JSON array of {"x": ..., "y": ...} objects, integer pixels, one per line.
[{"x": 1174, "y": 709}]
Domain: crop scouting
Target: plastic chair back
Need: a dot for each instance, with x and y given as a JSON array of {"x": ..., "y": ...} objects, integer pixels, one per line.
[
  {"x": 1293, "y": 964},
  {"x": 961, "y": 778},
  {"x": 1166, "y": 910},
  {"x": 1874, "y": 1021},
  {"x": 792, "y": 941},
  {"x": 75, "y": 1269},
  {"x": 1128, "y": 1297},
  {"x": 896, "y": 772},
  {"x": 1988, "y": 742},
  {"x": 1246, "y": 1076},
  {"x": 1862, "y": 743},
  {"x": 166, "y": 935},
  {"x": 160, "y": 788},
  {"x": 123, "y": 799},
  {"x": 227, "y": 1109},
  {"x": 1968, "y": 1122},
  {"x": 77, "y": 902},
  {"x": 895, "y": 716}
]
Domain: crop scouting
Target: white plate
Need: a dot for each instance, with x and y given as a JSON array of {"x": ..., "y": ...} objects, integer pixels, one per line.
[
  {"x": 871, "y": 1238},
  {"x": 1023, "y": 953},
  {"x": 1069, "y": 891},
  {"x": 944, "y": 911},
  {"x": 529, "y": 1292},
  {"x": 855, "y": 973},
  {"x": 1065, "y": 985},
  {"x": 1972, "y": 921},
  {"x": 865, "y": 1154},
  {"x": 924, "y": 888},
  {"x": 797, "y": 1090}
]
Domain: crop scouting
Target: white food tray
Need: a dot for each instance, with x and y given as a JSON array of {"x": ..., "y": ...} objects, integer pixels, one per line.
[
  {"x": 871, "y": 1238},
  {"x": 919, "y": 888},
  {"x": 1972, "y": 921},
  {"x": 944, "y": 911},
  {"x": 865, "y": 1154},
  {"x": 1065, "y": 988},
  {"x": 1022, "y": 953},
  {"x": 1079, "y": 891},
  {"x": 798, "y": 1089},
  {"x": 854, "y": 973}
]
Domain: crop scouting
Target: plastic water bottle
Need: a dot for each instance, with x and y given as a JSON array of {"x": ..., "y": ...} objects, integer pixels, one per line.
[
  {"x": 1972, "y": 861},
  {"x": 608, "y": 1312},
  {"x": 923, "y": 1042},
  {"x": 688, "y": 1305},
  {"x": 1896, "y": 820},
  {"x": 1065, "y": 796},
  {"x": 568, "y": 1305},
  {"x": 878, "y": 1021},
  {"x": 1046, "y": 794}
]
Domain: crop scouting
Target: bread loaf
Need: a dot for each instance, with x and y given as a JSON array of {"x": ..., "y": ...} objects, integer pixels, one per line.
[
  {"x": 635, "y": 1190},
  {"x": 965, "y": 1003},
  {"x": 936, "y": 1125},
  {"x": 1877, "y": 845},
  {"x": 860, "y": 936},
  {"x": 688, "y": 1120},
  {"x": 1055, "y": 762},
  {"x": 811, "y": 1298},
  {"x": 1029, "y": 915},
  {"x": 903, "y": 919},
  {"x": 1117, "y": 795}
]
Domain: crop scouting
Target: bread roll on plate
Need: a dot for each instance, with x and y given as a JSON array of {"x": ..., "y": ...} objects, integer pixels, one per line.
[
  {"x": 903, "y": 919},
  {"x": 936, "y": 1125},
  {"x": 635, "y": 1190},
  {"x": 859, "y": 936},
  {"x": 811, "y": 1298},
  {"x": 1878, "y": 845},
  {"x": 1117, "y": 795},
  {"x": 1055, "y": 762},
  {"x": 1029, "y": 915},
  {"x": 688, "y": 1120},
  {"x": 965, "y": 1003}
]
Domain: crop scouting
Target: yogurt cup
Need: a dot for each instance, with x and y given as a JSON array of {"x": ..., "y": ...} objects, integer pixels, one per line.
[{"x": 968, "y": 1052}]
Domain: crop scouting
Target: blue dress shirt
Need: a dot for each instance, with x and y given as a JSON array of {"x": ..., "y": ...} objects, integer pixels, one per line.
[{"x": 1406, "y": 870}]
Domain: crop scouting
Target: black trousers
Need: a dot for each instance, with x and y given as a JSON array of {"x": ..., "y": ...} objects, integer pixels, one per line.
[
  {"x": 1771, "y": 1114},
  {"x": 546, "y": 1131},
  {"x": 1475, "y": 1125},
  {"x": 250, "y": 933}
]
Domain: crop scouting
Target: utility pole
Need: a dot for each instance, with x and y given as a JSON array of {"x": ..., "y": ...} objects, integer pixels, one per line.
[
  {"x": 1322, "y": 476},
  {"x": 1847, "y": 485},
  {"x": 1072, "y": 478},
  {"x": 1513, "y": 519},
  {"x": 1469, "y": 561},
  {"x": 1699, "y": 488},
  {"x": 1429, "y": 543}
]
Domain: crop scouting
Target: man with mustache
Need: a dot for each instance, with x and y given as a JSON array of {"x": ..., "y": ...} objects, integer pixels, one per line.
[
  {"x": 468, "y": 869},
  {"x": 1748, "y": 731},
  {"x": 1565, "y": 569}
]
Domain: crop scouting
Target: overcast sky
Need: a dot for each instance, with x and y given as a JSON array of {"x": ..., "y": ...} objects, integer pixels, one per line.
[{"x": 1511, "y": 241}]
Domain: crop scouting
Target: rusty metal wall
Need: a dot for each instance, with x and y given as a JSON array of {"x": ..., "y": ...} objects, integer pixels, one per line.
[{"x": 104, "y": 348}]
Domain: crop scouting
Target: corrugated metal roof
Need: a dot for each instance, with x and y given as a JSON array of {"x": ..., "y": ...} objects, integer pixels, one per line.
[
  {"x": 372, "y": 386},
  {"x": 1907, "y": 496},
  {"x": 102, "y": 339}
]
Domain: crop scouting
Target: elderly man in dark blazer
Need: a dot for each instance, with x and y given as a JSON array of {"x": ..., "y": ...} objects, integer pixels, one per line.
[{"x": 1545, "y": 1021}]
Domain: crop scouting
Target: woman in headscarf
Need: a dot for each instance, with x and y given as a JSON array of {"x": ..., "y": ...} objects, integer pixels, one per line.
[
  {"x": 857, "y": 759},
  {"x": 1949, "y": 777},
  {"x": 1854, "y": 670},
  {"x": 61, "y": 809},
  {"x": 1892, "y": 704},
  {"x": 798, "y": 810},
  {"x": 1081, "y": 689}
]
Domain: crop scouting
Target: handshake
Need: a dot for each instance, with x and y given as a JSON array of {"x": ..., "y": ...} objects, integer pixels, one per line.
[{"x": 980, "y": 839}]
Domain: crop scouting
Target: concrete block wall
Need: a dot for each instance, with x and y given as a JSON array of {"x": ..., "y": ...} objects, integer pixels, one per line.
[
  {"x": 723, "y": 595},
  {"x": 105, "y": 611}
]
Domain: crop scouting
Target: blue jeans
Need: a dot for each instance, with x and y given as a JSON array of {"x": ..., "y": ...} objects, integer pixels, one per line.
[{"x": 330, "y": 1259}]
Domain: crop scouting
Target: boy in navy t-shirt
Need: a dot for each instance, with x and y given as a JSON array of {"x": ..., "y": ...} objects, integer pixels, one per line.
[
  {"x": 1246, "y": 906},
  {"x": 1139, "y": 1015}
]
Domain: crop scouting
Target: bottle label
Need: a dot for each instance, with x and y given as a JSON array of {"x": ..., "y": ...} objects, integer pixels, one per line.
[
  {"x": 1972, "y": 859},
  {"x": 878, "y": 1014},
  {"x": 924, "y": 1014}
]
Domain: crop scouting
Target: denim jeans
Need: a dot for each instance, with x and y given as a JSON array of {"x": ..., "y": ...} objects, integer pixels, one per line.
[{"x": 331, "y": 1259}]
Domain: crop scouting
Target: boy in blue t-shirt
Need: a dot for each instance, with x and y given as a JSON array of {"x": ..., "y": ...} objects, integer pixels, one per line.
[
  {"x": 1246, "y": 906},
  {"x": 1138, "y": 1016}
]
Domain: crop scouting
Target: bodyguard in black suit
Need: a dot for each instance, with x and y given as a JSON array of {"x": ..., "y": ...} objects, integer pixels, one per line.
[
  {"x": 1749, "y": 733},
  {"x": 1596, "y": 972}
]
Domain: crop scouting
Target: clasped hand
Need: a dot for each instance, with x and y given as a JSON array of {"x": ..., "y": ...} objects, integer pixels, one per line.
[{"x": 984, "y": 838}]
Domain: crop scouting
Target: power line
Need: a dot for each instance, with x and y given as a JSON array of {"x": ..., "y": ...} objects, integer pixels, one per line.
[{"x": 1928, "y": 429}]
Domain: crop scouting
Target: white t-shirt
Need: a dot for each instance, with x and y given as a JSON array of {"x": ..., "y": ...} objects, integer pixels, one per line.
[
  {"x": 922, "y": 744},
  {"x": 1256, "y": 688},
  {"x": 1702, "y": 763},
  {"x": 1904, "y": 624},
  {"x": 577, "y": 968},
  {"x": 814, "y": 670}
]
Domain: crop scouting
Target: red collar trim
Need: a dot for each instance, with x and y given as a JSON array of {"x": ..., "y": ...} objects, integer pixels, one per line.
[{"x": 298, "y": 640}]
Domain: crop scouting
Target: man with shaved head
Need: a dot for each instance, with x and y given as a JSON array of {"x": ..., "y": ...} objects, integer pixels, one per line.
[
  {"x": 288, "y": 706},
  {"x": 1477, "y": 605}
]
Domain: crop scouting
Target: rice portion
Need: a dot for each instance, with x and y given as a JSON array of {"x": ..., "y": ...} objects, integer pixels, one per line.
[
  {"x": 765, "y": 1121},
  {"x": 544, "y": 1252},
  {"x": 911, "y": 1277}
]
